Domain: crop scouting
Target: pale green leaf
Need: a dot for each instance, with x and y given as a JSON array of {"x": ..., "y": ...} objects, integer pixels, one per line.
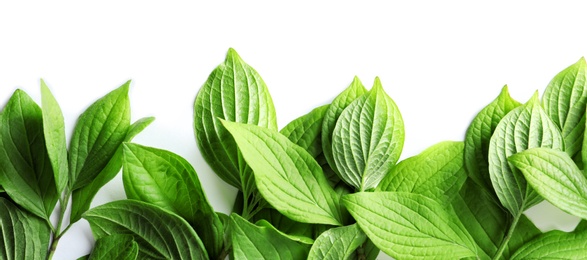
[
  {"x": 437, "y": 172},
  {"x": 343, "y": 100},
  {"x": 368, "y": 139},
  {"x": 338, "y": 243},
  {"x": 22, "y": 235},
  {"x": 478, "y": 136},
  {"x": 159, "y": 233},
  {"x": 527, "y": 126},
  {"x": 283, "y": 223},
  {"x": 54, "y": 132},
  {"x": 27, "y": 176},
  {"x": 554, "y": 176},
  {"x": 564, "y": 100},
  {"x": 253, "y": 242},
  {"x": 306, "y": 131},
  {"x": 286, "y": 175},
  {"x": 116, "y": 246},
  {"x": 555, "y": 245},
  {"x": 98, "y": 133},
  {"x": 408, "y": 225},
  {"x": 234, "y": 92},
  {"x": 82, "y": 198}
]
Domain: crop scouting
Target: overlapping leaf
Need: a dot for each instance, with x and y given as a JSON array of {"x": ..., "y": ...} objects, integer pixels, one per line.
[
  {"x": 22, "y": 235},
  {"x": 555, "y": 245},
  {"x": 306, "y": 131},
  {"x": 338, "y": 243},
  {"x": 116, "y": 246},
  {"x": 368, "y": 139}
]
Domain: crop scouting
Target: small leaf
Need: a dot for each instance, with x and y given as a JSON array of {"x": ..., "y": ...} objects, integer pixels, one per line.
[
  {"x": 98, "y": 133},
  {"x": 436, "y": 172},
  {"x": 343, "y": 100},
  {"x": 27, "y": 176},
  {"x": 554, "y": 176},
  {"x": 555, "y": 245},
  {"x": 368, "y": 139},
  {"x": 283, "y": 223},
  {"x": 564, "y": 100},
  {"x": 22, "y": 235},
  {"x": 54, "y": 132},
  {"x": 338, "y": 243},
  {"x": 306, "y": 131},
  {"x": 158, "y": 232},
  {"x": 408, "y": 225},
  {"x": 525, "y": 127},
  {"x": 287, "y": 176},
  {"x": 82, "y": 198},
  {"x": 115, "y": 247},
  {"x": 234, "y": 92},
  {"x": 253, "y": 242},
  {"x": 478, "y": 137}
]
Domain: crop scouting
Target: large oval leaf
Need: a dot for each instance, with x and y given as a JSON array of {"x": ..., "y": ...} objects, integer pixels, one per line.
[
  {"x": 286, "y": 175},
  {"x": 235, "y": 92},
  {"x": 564, "y": 100},
  {"x": 159, "y": 233},
  {"x": 22, "y": 235},
  {"x": 25, "y": 169},
  {"x": 343, "y": 100},
  {"x": 98, "y": 133},
  {"x": 408, "y": 225},
  {"x": 555, "y": 245},
  {"x": 437, "y": 172},
  {"x": 338, "y": 243},
  {"x": 525, "y": 127},
  {"x": 368, "y": 139},
  {"x": 478, "y": 136},
  {"x": 554, "y": 176}
]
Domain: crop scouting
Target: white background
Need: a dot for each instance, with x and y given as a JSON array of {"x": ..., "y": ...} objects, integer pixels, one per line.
[{"x": 441, "y": 61}]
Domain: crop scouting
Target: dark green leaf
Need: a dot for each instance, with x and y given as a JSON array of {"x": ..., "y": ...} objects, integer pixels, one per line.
[
  {"x": 159, "y": 233},
  {"x": 98, "y": 133},
  {"x": 116, "y": 246},
  {"x": 338, "y": 243},
  {"x": 22, "y": 235}
]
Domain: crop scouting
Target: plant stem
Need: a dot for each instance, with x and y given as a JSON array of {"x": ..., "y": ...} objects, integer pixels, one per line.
[
  {"x": 508, "y": 236},
  {"x": 361, "y": 252},
  {"x": 58, "y": 233}
]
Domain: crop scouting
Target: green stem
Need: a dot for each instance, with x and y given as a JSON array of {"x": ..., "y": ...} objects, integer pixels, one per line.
[
  {"x": 224, "y": 253},
  {"x": 58, "y": 233},
  {"x": 361, "y": 252},
  {"x": 508, "y": 236}
]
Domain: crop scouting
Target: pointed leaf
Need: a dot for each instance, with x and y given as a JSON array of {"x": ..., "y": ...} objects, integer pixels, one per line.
[
  {"x": 82, "y": 198},
  {"x": 306, "y": 131},
  {"x": 159, "y": 233},
  {"x": 253, "y": 242},
  {"x": 368, "y": 139},
  {"x": 98, "y": 133},
  {"x": 283, "y": 223},
  {"x": 478, "y": 136},
  {"x": 555, "y": 245},
  {"x": 338, "y": 243},
  {"x": 525, "y": 127},
  {"x": 54, "y": 132},
  {"x": 235, "y": 92},
  {"x": 436, "y": 172},
  {"x": 22, "y": 235},
  {"x": 408, "y": 225},
  {"x": 27, "y": 176},
  {"x": 343, "y": 100},
  {"x": 115, "y": 247},
  {"x": 287, "y": 176},
  {"x": 564, "y": 100},
  {"x": 554, "y": 176}
]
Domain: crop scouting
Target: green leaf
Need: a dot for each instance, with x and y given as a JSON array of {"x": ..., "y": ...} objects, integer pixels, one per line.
[
  {"x": 253, "y": 242},
  {"x": 368, "y": 139},
  {"x": 564, "y": 100},
  {"x": 485, "y": 220},
  {"x": 343, "y": 100},
  {"x": 115, "y": 247},
  {"x": 555, "y": 245},
  {"x": 338, "y": 243},
  {"x": 235, "y": 92},
  {"x": 22, "y": 235},
  {"x": 408, "y": 225},
  {"x": 54, "y": 132},
  {"x": 27, "y": 174},
  {"x": 306, "y": 131},
  {"x": 283, "y": 223},
  {"x": 437, "y": 172},
  {"x": 554, "y": 176},
  {"x": 98, "y": 133},
  {"x": 287, "y": 176},
  {"x": 82, "y": 198},
  {"x": 525, "y": 127},
  {"x": 478, "y": 136},
  {"x": 159, "y": 233}
]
